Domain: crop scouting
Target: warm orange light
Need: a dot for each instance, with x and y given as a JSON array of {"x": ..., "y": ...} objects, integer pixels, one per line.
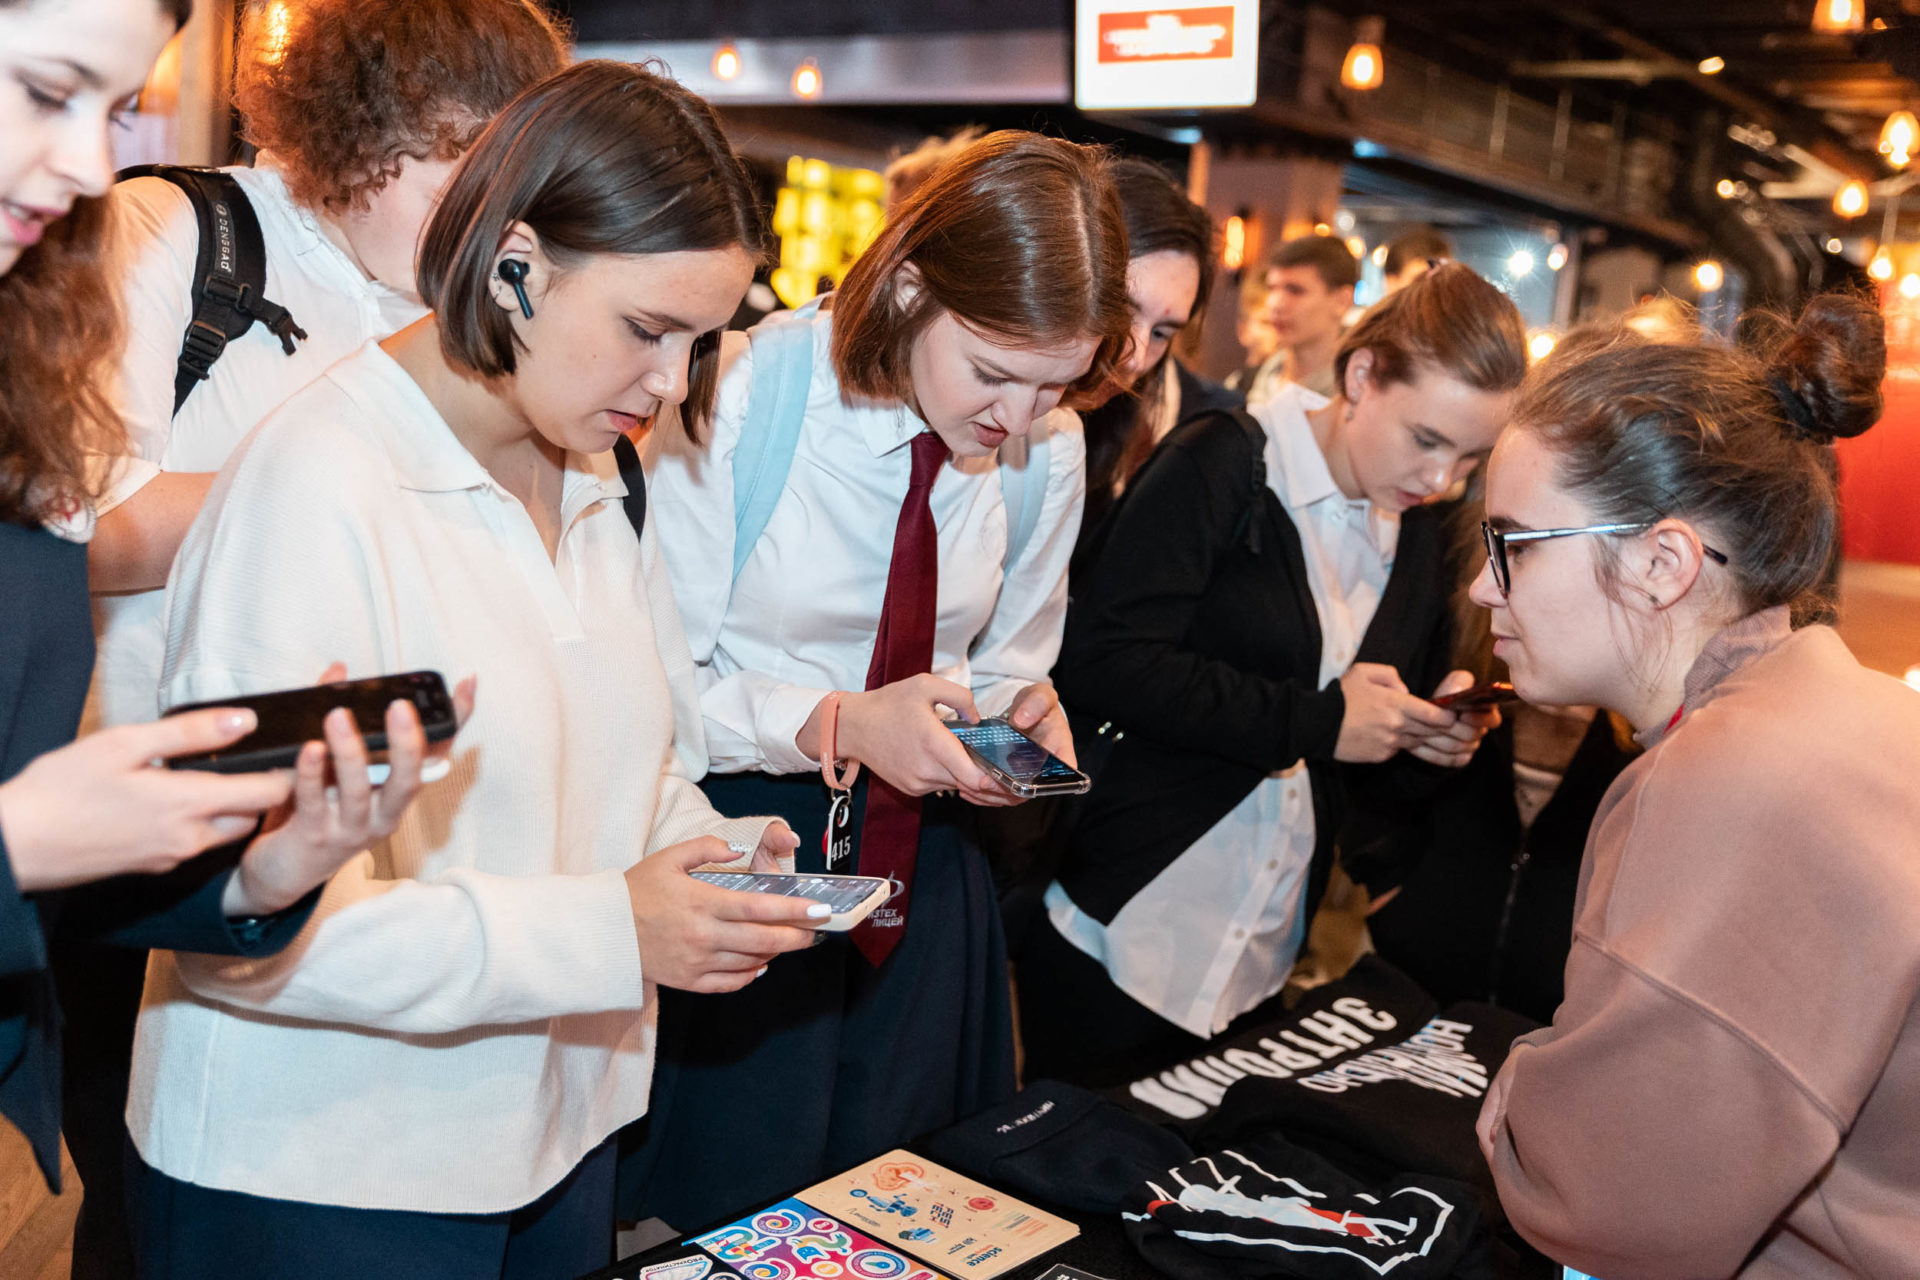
[
  {"x": 1839, "y": 15},
  {"x": 1709, "y": 276},
  {"x": 1363, "y": 69},
  {"x": 1897, "y": 138},
  {"x": 1712, "y": 66},
  {"x": 1541, "y": 345},
  {"x": 1357, "y": 247},
  {"x": 1233, "y": 244},
  {"x": 1910, "y": 286},
  {"x": 275, "y": 23},
  {"x": 1556, "y": 257},
  {"x": 806, "y": 79},
  {"x": 1322, "y": 229},
  {"x": 1881, "y": 268},
  {"x": 726, "y": 62},
  {"x": 1851, "y": 200}
]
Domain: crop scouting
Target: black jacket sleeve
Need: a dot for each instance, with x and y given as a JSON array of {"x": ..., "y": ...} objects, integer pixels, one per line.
[
  {"x": 23, "y": 944},
  {"x": 179, "y": 911},
  {"x": 1131, "y": 654}
]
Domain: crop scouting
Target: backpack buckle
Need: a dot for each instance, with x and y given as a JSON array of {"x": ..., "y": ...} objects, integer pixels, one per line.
[{"x": 203, "y": 345}]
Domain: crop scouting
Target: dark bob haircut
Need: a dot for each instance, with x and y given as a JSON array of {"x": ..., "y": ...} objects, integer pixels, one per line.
[{"x": 603, "y": 158}]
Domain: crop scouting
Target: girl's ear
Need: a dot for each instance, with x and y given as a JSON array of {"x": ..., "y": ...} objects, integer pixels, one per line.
[{"x": 1359, "y": 375}]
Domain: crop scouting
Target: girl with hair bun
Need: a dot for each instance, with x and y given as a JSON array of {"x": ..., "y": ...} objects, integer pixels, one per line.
[
  {"x": 1255, "y": 625},
  {"x": 1732, "y": 1085}
]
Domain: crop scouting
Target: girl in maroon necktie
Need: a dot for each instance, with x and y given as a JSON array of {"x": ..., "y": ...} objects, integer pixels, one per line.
[{"x": 876, "y": 532}]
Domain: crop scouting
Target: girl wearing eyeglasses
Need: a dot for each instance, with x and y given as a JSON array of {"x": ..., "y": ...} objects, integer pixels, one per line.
[{"x": 1732, "y": 1085}]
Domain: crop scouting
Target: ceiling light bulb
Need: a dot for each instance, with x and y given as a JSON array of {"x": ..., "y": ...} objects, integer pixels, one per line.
[
  {"x": 1851, "y": 200},
  {"x": 1910, "y": 285},
  {"x": 1881, "y": 268},
  {"x": 726, "y": 62},
  {"x": 1556, "y": 257},
  {"x": 1712, "y": 66},
  {"x": 1521, "y": 263},
  {"x": 1541, "y": 345},
  {"x": 1833, "y": 16},
  {"x": 1709, "y": 276},
  {"x": 806, "y": 79},
  {"x": 1898, "y": 137}
]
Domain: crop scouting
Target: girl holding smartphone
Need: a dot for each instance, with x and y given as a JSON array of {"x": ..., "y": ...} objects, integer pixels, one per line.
[
  {"x": 425, "y": 1082},
  {"x": 103, "y": 809},
  {"x": 888, "y": 579},
  {"x": 1266, "y": 596}
]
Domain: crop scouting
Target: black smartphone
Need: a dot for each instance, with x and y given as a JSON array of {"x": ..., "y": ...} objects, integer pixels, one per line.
[
  {"x": 291, "y": 718},
  {"x": 1022, "y": 765},
  {"x": 1478, "y": 698}
]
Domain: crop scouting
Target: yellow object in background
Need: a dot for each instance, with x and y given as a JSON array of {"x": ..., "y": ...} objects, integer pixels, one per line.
[{"x": 825, "y": 216}]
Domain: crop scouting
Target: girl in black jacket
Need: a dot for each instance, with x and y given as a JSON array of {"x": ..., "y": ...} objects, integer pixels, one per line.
[{"x": 1247, "y": 628}]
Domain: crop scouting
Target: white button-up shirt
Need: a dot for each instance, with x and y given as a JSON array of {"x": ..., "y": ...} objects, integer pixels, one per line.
[
  {"x": 331, "y": 298},
  {"x": 465, "y": 1016},
  {"x": 1217, "y": 932},
  {"x": 799, "y": 622}
]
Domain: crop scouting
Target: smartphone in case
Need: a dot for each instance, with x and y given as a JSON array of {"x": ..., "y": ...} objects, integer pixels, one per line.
[
  {"x": 290, "y": 718},
  {"x": 851, "y": 897},
  {"x": 1481, "y": 696},
  {"x": 1022, "y": 765}
]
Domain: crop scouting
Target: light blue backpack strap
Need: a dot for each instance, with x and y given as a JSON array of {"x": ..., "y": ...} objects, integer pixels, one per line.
[
  {"x": 1023, "y": 486},
  {"x": 776, "y": 408}
]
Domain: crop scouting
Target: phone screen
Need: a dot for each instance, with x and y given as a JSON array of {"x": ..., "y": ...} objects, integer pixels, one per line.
[{"x": 1013, "y": 753}]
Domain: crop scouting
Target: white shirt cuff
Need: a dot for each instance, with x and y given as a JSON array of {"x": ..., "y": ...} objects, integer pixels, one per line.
[{"x": 782, "y": 715}]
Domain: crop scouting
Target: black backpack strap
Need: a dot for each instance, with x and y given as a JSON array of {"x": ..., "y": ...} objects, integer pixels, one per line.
[
  {"x": 229, "y": 274},
  {"x": 635, "y": 503}
]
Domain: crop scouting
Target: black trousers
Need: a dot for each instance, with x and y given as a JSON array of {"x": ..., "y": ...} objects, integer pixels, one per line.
[
  {"x": 826, "y": 1061},
  {"x": 100, "y": 988},
  {"x": 186, "y": 1232}
]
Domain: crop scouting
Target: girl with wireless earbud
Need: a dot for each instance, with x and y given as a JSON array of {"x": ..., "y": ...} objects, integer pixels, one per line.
[
  {"x": 875, "y": 532},
  {"x": 1732, "y": 1084},
  {"x": 427, "y": 1080}
]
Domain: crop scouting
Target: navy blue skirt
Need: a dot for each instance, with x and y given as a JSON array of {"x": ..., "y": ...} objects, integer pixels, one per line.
[{"x": 826, "y": 1061}]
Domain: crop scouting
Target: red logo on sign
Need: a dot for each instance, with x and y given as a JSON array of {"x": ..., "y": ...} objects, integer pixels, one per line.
[{"x": 1167, "y": 35}]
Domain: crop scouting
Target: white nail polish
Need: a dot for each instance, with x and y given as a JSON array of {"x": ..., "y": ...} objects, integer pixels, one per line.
[{"x": 819, "y": 911}]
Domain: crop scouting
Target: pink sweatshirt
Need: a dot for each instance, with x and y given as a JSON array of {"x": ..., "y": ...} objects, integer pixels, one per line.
[{"x": 1732, "y": 1087}]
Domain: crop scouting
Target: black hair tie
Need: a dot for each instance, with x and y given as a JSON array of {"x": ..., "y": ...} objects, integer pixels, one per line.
[{"x": 1797, "y": 411}]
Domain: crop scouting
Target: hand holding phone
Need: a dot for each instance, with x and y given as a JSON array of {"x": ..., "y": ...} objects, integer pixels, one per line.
[
  {"x": 698, "y": 936},
  {"x": 1016, "y": 761},
  {"x": 1492, "y": 693},
  {"x": 341, "y": 803},
  {"x": 848, "y": 899}
]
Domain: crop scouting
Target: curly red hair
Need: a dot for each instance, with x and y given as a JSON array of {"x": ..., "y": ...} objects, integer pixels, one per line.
[
  {"x": 342, "y": 90},
  {"x": 63, "y": 329}
]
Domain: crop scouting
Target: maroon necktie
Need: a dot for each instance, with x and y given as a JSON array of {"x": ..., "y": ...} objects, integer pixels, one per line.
[{"x": 902, "y": 647}]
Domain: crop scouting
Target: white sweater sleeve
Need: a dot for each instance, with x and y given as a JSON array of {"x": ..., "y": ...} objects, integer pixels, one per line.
[
  {"x": 1022, "y": 638},
  {"x": 280, "y": 576}
]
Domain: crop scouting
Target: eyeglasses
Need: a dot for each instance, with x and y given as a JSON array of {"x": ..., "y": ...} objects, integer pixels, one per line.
[{"x": 1497, "y": 540}]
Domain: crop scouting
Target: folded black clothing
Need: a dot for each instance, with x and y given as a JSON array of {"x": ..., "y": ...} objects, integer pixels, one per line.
[
  {"x": 1373, "y": 1005},
  {"x": 1406, "y": 1105},
  {"x": 1060, "y": 1144},
  {"x": 1267, "y": 1208}
]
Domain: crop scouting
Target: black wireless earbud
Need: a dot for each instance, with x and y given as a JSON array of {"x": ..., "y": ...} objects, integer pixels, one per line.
[{"x": 514, "y": 272}]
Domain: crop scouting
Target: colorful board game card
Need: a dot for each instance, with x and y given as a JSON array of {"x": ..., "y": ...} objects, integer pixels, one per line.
[
  {"x": 790, "y": 1241},
  {"x": 964, "y": 1227}
]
